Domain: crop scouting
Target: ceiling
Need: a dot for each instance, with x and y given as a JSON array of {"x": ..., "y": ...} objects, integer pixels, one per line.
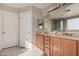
[{"x": 20, "y": 5}]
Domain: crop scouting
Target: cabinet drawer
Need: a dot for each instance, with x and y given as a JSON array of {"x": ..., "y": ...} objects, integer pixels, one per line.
[
  {"x": 47, "y": 46},
  {"x": 47, "y": 42},
  {"x": 46, "y": 38},
  {"x": 47, "y": 51}
]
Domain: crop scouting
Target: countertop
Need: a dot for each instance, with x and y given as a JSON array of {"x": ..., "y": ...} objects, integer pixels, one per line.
[{"x": 60, "y": 36}]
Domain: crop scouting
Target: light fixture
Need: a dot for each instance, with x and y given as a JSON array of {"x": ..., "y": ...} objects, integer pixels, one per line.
[{"x": 68, "y": 10}]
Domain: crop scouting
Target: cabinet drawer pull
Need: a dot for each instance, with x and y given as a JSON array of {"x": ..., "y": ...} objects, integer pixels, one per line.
[
  {"x": 46, "y": 40},
  {"x": 46, "y": 43},
  {"x": 47, "y": 47}
]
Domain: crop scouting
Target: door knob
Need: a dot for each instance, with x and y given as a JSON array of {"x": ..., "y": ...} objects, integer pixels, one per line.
[
  {"x": 28, "y": 32},
  {"x": 3, "y": 32}
]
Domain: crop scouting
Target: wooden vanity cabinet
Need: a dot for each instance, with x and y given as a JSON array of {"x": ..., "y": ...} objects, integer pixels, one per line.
[
  {"x": 55, "y": 46},
  {"x": 68, "y": 47},
  {"x": 64, "y": 47},
  {"x": 39, "y": 41}
]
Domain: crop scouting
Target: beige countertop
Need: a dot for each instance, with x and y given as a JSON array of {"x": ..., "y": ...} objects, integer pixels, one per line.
[{"x": 60, "y": 36}]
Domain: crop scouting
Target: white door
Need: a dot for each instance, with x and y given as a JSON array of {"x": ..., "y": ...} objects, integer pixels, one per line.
[
  {"x": 26, "y": 29},
  {"x": 10, "y": 33},
  {"x": 1, "y": 39}
]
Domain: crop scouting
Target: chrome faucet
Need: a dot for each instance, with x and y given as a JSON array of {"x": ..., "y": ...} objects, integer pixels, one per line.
[{"x": 67, "y": 34}]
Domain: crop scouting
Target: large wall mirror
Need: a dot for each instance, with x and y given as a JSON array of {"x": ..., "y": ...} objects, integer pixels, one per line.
[
  {"x": 56, "y": 25},
  {"x": 62, "y": 25},
  {"x": 66, "y": 19},
  {"x": 47, "y": 24}
]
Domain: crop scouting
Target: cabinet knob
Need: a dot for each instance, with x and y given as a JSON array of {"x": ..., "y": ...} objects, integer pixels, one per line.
[{"x": 3, "y": 32}]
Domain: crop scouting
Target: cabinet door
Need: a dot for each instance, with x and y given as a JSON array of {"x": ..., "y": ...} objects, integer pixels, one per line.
[
  {"x": 10, "y": 29},
  {"x": 1, "y": 37},
  {"x": 39, "y": 41},
  {"x": 78, "y": 47},
  {"x": 68, "y": 47},
  {"x": 26, "y": 29},
  {"x": 56, "y": 47}
]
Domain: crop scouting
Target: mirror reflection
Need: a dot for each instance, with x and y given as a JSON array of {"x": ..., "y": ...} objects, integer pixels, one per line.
[{"x": 64, "y": 19}]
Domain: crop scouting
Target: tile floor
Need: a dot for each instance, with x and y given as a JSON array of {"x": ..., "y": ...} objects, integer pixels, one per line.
[
  {"x": 33, "y": 52},
  {"x": 13, "y": 51},
  {"x": 16, "y": 51}
]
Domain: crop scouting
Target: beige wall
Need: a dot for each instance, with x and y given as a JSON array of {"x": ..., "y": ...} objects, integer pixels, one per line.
[
  {"x": 6, "y": 8},
  {"x": 36, "y": 14}
]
